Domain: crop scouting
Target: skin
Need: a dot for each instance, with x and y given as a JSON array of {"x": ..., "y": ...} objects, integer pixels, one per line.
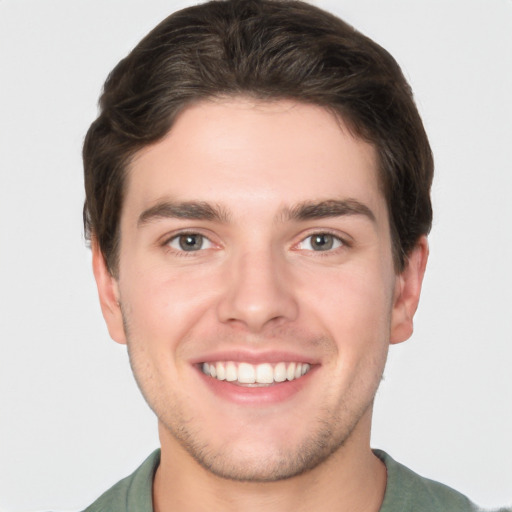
[{"x": 257, "y": 287}]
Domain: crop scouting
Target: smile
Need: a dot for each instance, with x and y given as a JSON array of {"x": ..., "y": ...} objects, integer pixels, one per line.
[{"x": 262, "y": 374}]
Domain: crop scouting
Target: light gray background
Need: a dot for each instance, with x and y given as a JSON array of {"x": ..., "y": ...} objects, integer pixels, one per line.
[{"x": 71, "y": 419}]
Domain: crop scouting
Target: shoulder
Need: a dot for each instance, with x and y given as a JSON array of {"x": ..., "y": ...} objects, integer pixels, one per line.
[
  {"x": 408, "y": 491},
  {"x": 131, "y": 493}
]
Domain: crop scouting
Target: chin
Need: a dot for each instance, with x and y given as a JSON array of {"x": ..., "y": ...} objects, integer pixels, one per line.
[
  {"x": 262, "y": 467},
  {"x": 255, "y": 459}
]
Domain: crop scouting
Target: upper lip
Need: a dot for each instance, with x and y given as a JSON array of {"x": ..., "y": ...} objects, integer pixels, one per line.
[{"x": 255, "y": 357}]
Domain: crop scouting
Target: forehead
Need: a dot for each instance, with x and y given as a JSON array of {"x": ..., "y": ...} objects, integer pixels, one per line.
[{"x": 246, "y": 154}]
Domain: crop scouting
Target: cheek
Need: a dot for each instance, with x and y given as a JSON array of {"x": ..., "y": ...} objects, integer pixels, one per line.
[
  {"x": 354, "y": 304},
  {"x": 161, "y": 303},
  {"x": 361, "y": 324}
]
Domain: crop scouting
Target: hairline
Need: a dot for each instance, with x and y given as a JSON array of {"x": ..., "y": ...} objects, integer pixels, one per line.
[{"x": 342, "y": 119}]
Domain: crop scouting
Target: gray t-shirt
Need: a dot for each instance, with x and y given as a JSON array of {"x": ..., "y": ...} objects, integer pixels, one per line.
[{"x": 405, "y": 491}]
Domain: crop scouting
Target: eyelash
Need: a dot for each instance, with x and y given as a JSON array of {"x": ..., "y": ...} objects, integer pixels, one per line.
[
  {"x": 343, "y": 242},
  {"x": 181, "y": 252},
  {"x": 336, "y": 239}
]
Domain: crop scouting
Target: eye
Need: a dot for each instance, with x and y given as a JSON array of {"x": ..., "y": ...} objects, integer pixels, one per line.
[
  {"x": 320, "y": 242},
  {"x": 189, "y": 242}
]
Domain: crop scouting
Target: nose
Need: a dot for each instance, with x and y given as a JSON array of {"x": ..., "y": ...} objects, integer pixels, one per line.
[{"x": 258, "y": 292}]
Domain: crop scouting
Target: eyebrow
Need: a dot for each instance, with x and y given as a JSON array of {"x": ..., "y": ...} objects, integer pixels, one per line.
[
  {"x": 310, "y": 210},
  {"x": 307, "y": 210},
  {"x": 192, "y": 210}
]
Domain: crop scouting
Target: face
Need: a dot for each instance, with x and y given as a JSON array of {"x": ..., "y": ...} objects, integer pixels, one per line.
[{"x": 256, "y": 287}]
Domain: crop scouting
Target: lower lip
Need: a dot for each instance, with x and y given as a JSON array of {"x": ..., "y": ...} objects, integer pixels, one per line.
[{"x": 275, "y": 393}]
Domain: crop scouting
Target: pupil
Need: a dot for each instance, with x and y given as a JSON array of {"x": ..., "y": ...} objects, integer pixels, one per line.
[
  {"x": 322, "y": 242},
  {"x": 191, "y": 242}
]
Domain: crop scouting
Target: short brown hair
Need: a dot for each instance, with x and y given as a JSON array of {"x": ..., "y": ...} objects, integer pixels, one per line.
[{"x": 267, "y": 49}]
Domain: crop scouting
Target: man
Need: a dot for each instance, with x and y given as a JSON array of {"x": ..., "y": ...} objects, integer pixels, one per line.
[{"x": 257, "y": 199}]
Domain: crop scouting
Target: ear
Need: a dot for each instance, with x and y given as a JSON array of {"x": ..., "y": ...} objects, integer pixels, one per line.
[
  {"x": 108, "y": 292},
  {"x": 407, "y": 292}
]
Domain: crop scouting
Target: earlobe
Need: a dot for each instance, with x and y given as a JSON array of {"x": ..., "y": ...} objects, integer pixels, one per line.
[
  {"x": 108, "y": 293},
  {"x": 407, "y": 292}
]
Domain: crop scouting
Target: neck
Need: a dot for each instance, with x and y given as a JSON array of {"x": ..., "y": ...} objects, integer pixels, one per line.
[{"x": 351, "y": 479}]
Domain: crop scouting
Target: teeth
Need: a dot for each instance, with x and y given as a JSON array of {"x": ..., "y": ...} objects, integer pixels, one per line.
[
  {"x": 231, "y": 372},
  {"x": 280, "y": 372},
  {"x": 290, "y": 371},
  {"x": 245, "y": 373},
  {"x": 221, "y": 371},
  {"x": 264, "y": 374}
]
